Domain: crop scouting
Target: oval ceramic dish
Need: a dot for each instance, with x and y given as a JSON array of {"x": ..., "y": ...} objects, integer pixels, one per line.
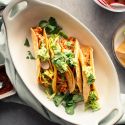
[{"x": 18, "y": 28}]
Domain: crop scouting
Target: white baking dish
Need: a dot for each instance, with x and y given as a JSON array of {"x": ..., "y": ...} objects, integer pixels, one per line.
[{"x": 18, "y": 28}]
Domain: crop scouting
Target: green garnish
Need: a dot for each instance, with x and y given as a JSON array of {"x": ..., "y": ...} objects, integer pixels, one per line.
[
  {"x": 70, "y": 58},
  {"x": 50, "y": 26},
  {"x": 48, "y": 73},
  {"x": 43, "y": 53},
  {"x": 49, "y": 92},
  {"x": 92, "y": 102},
  {"x": 63, "y": 34},
  {"x": 60, "y": 63},
  {"x": 58, "y": 60},
  {"x": 68, "y": 101},
  {"x": 91, "y": 79},
  {"x": 61, "y": 59},
  {"x": 68, "y": 43},
  {"x": 70, "y": 109},
  {"x": 77, "y": 98},
  {"x": 30, "y": 55},
  {"x": 43, "y": 23},
  {"x": 58, "y": 99},
  {"x": 27, "y": 57},
  {"x": 27, "y": 43},
  {"x": 89, "y": 74}
]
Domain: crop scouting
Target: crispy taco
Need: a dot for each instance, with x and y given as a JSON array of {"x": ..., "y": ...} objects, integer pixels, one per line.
[
  {"x": 46, "y": 73},
  {"x": 65, "y": 60},
  {"x": 71, "y": 47},
  {"x": 90, "y": 94}
]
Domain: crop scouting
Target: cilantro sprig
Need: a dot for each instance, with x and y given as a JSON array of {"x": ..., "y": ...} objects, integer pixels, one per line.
[
  {"x": 50, "y": 26},
  {"x": 26, "y": 43}
]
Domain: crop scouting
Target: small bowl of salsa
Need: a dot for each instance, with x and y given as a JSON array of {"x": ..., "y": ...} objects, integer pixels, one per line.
[
  {"x": 118, "y": 44},
  {"x": 112, "y": 5},
  {"x": 6, "y": 88}
]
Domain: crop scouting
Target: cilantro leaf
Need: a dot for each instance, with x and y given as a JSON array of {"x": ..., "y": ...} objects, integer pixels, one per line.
[
  {"x": 43, "y": 23},
  {"x": 63, "y": 34},
  {"x": 52, "y": 21},
  {"x": 30, "y": 55},
  {"x": 58, "y": 99},
  {"x": 70, "y": 109},
  {"x": 77, "y": 98},
  {"x": 27, "y": 43},
  {"x": 50, "y": 26}
]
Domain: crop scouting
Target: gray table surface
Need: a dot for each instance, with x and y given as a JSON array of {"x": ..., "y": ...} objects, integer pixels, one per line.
[{"x": 101, "y": 22}]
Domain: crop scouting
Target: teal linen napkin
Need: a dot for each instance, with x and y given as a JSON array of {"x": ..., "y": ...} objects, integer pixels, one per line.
[{"x": 20, "y": 87}]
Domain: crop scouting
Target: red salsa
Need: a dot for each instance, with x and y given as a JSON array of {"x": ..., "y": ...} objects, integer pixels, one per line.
[
  {"x": 115, "y": 1},
  {"x": 5, "y": 84}
]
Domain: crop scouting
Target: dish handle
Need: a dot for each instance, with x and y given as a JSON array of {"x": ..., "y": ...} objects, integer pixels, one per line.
[
  {"x": 7, "y": 17},
  {"x": 113, "y": 117}
]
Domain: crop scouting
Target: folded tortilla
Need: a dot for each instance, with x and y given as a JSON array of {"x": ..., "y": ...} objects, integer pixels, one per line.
[
  {"x": 35, "y": 39},
  {"x": 35, "y": 46},
  {"x": 74, "y": 78},
  {"x": 70, "y": 79},
  {"x": 86, "y": 59},
  {"x": 78, "y": 66}
]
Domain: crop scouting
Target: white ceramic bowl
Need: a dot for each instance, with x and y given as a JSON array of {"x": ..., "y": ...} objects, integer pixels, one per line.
[
  {"x": 119, "y": 9},
  {"x": 118, "y": 38},
  {"x": 18, "y": 28}
]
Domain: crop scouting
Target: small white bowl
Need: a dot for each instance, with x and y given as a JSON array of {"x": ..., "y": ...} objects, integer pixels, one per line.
[
  {"x": 117, "y": 39},
  {"x": 118, "y": 9}
]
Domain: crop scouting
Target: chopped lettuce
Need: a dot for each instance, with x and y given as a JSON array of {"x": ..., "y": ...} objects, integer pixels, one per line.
[
  {"x": 53, "y": 43},
  {"x": 68, "y": 43},
  {"x": 60, "y": 63},
  {"x": 92, "y": 102},
  {"x": 91, "y": 79},
  {"x": 43, "y": 53},
  {"x": 58, "y": 60},
  {"x": 63, "y": 34},
  {"x": 89, "y": 74},
  {"x": 69, "y": 57},
  {"x": 61, "y": 59},
  {"x": 48, "y": 73}
]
